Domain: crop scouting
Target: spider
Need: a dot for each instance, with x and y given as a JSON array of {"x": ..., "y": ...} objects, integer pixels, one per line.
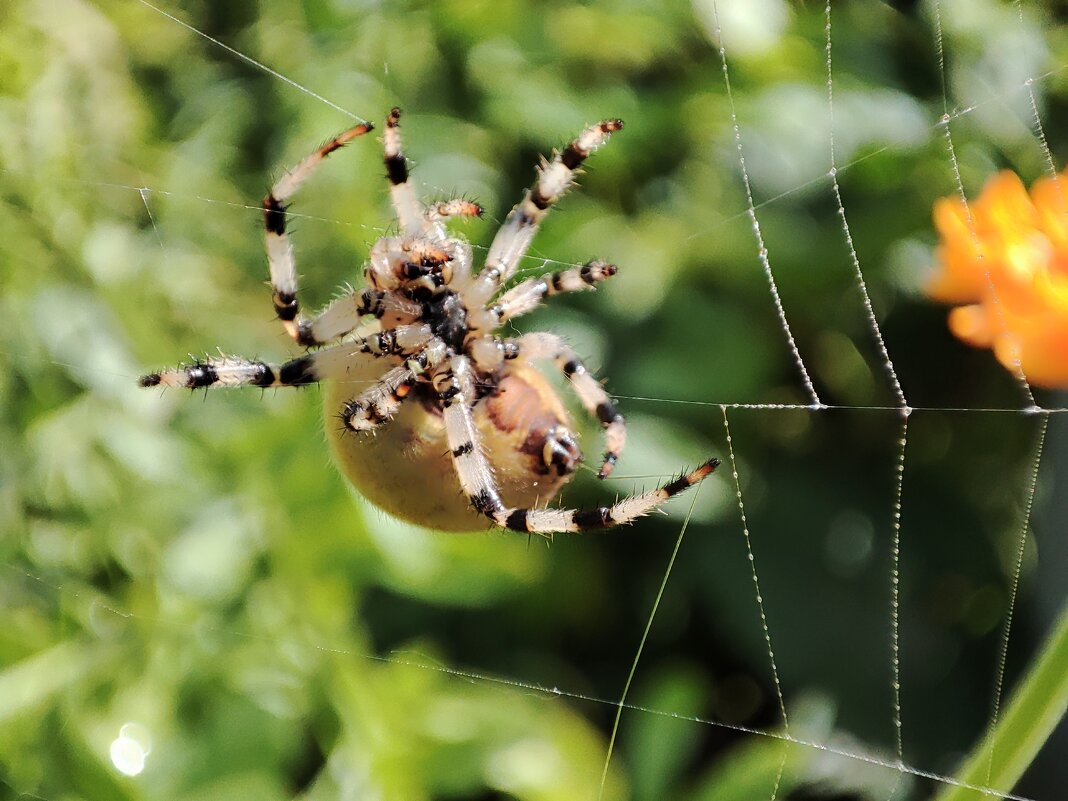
[{"x": 456, "y": 406}]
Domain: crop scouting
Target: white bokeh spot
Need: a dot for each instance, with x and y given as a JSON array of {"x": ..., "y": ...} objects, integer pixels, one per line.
[
  {"x": 129, "y": 751},
  {"x": 751, "y": 27}
]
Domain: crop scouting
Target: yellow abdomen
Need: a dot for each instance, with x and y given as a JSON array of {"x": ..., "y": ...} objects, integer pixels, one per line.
[{"x": 405, "y": 467}]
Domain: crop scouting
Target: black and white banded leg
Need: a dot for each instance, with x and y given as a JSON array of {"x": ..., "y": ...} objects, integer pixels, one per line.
[
  {"x": 234, "y": 371},
  {"x": 595, "y": 400},
  {"x": 405, "y": 203},
  {"x": 345, "y": 313},
  {"x": 399, "y": 341},
  {"x": 376, "y": 405},
  {"x": 280, "y": 258},
  {"x": 335, "y": 362},
  {"x": 478, "y": 483},
  {"x": 527, "y": 295},
  {"x": 554, "y": 177}
]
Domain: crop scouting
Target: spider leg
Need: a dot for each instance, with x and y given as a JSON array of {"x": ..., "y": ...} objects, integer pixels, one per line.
[
  {"x": 280, "y": 259},
  {"x": 549, "y": 521},
  {"x": 527, "y": 295},
  {"x": 480, "y": 486},
  {"x": 402, "y": 340},
  {"x": 226, "y": 371},
  {"x": 335, "y": 362},
  {"x": 344, "y": 314},
  {"x": 595, "y": 400},
  {"x": 234, "y": 371},
  {"x": 457, "y": 207},
  {"x": 376, "y": 405},
  {"x": 476, "y": 477},
  {"x": 554, "y": 178},
  {"x": 409, "y": 210}
]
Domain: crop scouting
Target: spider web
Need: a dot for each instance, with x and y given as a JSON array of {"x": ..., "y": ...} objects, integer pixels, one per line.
[{"x": 1029, "y": 424}]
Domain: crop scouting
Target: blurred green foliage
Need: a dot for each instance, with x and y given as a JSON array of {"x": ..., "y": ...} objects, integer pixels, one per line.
[{"x": 190, "y": 577}]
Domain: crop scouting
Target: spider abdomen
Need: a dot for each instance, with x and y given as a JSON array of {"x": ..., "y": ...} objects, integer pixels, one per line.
[{"x": 405, "y": 467}]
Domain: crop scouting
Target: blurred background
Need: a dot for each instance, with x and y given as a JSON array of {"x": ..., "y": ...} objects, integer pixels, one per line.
[{"x": 195, "y": 605}]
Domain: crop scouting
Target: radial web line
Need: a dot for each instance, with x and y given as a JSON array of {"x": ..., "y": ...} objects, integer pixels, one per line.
[
  {"x": 532, "y": 687},
  {"x": 895, "y": 787},
  {"x": 753, "y": 570},
  {"x": 1038, "y": 128},
  {"x": 780, "y": 771},
  {"x": 1018, "y": 371},
  {"x": 253, "y": 62},
  {"x": 1021, "y": 543},
  {"x": 143, "y": 192},
  {"x": 622, "y": 703},
  {"x": 762, "y": 251},
  {"x": 895, "y": 587},
  {"x": 873, "y": 323}
]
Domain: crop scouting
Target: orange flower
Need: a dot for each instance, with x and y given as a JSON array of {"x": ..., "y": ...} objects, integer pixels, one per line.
[{"x": 1004, "y": 259}]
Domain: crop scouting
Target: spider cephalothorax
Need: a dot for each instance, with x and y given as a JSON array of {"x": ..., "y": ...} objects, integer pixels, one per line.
[{"x": 464, "y": 425}]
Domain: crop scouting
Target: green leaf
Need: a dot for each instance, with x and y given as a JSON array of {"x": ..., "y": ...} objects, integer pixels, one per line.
[{"x": 1036, "y": 707}]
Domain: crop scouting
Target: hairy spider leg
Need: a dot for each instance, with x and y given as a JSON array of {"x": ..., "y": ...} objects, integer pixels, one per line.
[
  {"x": 527, "y": 295},
  {"x": 405, "y": 203},
  {"x": 457, "y": 207},
  {"x": 514, "y": 237},
  {"x": 224, "y": 371},
  {"x": 234, "y": 371},
  {"x": 376, "y": 405},
  {"x": 280, "y": 260},
  {"x": 479, "y": 484},
  {"x": 542, "y": 345},
  {"x": 334, "y": 362},
  {"x": 345, "y": 313}
]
